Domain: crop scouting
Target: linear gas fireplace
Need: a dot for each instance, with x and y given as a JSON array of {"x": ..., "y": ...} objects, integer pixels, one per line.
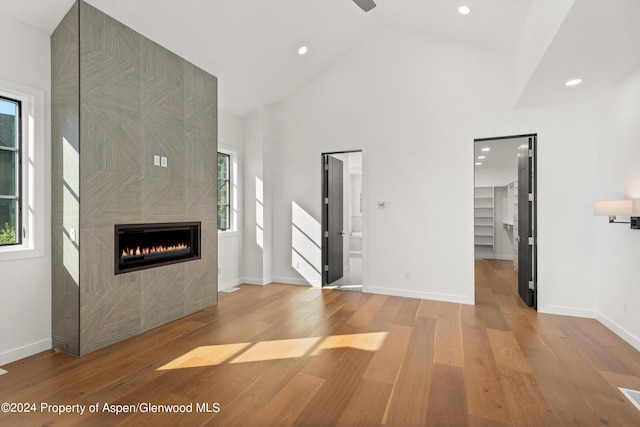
[{"x": 141, "y": 246}]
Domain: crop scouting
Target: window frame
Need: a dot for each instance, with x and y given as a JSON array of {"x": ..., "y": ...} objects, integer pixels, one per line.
[
  {"x": 33, "y": 169},
  {"x": 229, "y": 195},
  {"x": 18, "y": 173},
  {"x": 234, "y": 191}
]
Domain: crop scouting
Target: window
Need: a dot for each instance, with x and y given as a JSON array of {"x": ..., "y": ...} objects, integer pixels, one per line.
[
  {"x": 23, "y": 167},
  {"x": 224, "y": 192},
  {"x": 10, "y": 172}
]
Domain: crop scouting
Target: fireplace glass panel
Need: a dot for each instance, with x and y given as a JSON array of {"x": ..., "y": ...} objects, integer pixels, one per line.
[{"x": 141, "y": 246}]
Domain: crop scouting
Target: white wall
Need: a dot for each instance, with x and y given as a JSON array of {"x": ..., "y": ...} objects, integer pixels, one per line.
[
  {"x": 258, "y": 198},
  {"x": 618, "y": 177},
  {"x": 25, "y": 285},
  {"x": 230, "y": 244},
  {"x": 414, "y": 104},
  {"x": 542, "y": 23}
]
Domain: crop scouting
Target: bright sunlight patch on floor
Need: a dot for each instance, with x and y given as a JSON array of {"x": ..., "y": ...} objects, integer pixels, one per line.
[
  {"x": 280, "y": 349},
  {"x": 212, "y": 355},
  {"x": 369, "y": 342},
  {"x": 209, "y": 355}
]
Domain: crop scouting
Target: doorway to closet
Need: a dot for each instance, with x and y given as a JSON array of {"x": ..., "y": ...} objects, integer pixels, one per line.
[
  {"x": 342, "y": 220},
  {"x": 505, "y": 217}
]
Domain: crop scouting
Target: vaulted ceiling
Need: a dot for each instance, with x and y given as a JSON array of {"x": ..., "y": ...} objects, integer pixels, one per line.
[{"x": 251, "y": 45}]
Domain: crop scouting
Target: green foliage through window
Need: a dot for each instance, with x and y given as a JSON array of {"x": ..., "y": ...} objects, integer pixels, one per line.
[
  {"x": 7, "y": 235},
  {"x": 224, "y": 186}
]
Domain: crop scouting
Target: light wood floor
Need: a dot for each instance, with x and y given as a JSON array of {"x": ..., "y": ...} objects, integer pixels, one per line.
[{"x": 289, "y": 355}]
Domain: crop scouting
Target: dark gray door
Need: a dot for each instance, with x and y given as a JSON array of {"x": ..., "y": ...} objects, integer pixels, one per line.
[
  {"x": 527, "y": 283},
  {"x": 333, "y": 208}
]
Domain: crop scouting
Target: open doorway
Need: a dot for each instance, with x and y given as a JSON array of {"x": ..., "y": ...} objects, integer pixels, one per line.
[
  {"x": 342, "y": 220},
  {"x": 505, "y": 216}
]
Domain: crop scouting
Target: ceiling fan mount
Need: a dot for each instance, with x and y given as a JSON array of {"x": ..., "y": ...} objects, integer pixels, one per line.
[{"x": 365, "y": 5}]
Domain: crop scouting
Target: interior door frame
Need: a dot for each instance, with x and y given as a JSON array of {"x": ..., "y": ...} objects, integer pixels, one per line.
[
  {"x": 324, "y": 184},
  {"x": 535, "y": 185}
]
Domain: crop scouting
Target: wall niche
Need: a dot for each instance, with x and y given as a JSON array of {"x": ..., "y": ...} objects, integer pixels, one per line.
[{"x": 118, "y": 99}]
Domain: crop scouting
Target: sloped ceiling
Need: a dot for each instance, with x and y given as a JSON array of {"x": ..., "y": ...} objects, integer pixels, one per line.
[{"x": 251, "y": 45}]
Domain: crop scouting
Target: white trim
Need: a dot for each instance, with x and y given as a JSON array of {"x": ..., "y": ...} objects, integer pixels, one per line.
[
  {"x": 254, "y": 281},
  {"x": 619, "y": 330},
  {"x": 567, "y": 311},
  {"x": 434, "y": 296},
  {"x": 33, "y": 179},
  {"x": 25, "y": 351}
]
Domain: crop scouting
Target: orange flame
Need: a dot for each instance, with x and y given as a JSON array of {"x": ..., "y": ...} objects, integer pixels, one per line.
[{"x": 153, "y": 249}]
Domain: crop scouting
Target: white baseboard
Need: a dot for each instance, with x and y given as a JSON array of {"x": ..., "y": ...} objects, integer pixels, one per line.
[
  {"x": 567, "y": 311},
  {"x": 24, "y": 351},
  {"x": 460, "y": 299},
  {"x": 253, "y": 281},
  {"x": 619, "y": 331}
]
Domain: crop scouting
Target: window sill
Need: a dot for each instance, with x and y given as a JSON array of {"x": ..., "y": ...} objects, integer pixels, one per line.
[{"x": 15, "y": 253}]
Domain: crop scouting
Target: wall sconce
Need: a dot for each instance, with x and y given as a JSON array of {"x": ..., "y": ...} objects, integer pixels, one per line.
[{"x": 613, "y": 208}]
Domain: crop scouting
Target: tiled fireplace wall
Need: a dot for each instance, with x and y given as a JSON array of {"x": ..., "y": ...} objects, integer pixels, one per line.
[{"x": 118, "y": 99}]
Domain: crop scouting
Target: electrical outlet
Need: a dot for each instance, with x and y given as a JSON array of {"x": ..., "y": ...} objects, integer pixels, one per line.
[
  {"x": 407, "y": 275},
  {"x": 156, "y": 160},
  {"x": 163, "y": 162}
]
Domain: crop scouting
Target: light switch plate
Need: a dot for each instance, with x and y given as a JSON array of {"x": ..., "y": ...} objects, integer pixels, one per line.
[
  {"x": 156, "y": 160},
  {"x": 72, "y": 234},
  {"x": 163, "y": 162}
]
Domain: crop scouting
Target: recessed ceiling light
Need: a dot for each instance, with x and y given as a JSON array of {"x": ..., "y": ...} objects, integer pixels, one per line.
[
  {"x": 482, "y": 157},
  {"x": 478, "y": 163},
  {"x": 464, "y": 10},
  {"x": 486, "y": 149},
  {"x": 573, "y": 82},
  {"x": 303, "y": 50}
]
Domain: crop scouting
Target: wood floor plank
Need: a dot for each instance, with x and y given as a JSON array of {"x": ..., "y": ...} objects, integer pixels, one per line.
[
  {"x": 506, "y": 351},
  {"x": 363, "y": 316},
  {"x": 386, "y": 363},
  {"x": 522, "y": 328},
  {"x": 367, "y": 405},
  {"x": 566, "y": 404},
  {"x": 287, "y": 405},
  {"x": 476, "y": 421},
  {"x": 448, "y": 346},
  {"x": 408, "y": 312},
  {"x": 409, "y": 399},
  {"x": 492, "y": 316},
  {"x": 526, "y": 403},
  {"x": 341, "y": 381},
  {"x": 485, "y": 393},
  {"x": 447, "y": 405}
]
